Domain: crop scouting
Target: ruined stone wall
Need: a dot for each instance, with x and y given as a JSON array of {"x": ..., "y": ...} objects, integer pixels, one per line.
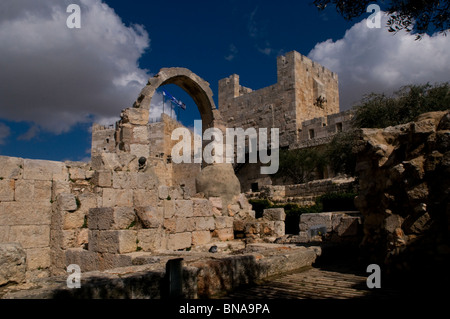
[
  {"x": 95, "y": 214},
  {"x": 305, "y": 193},
  {"x": 150, "y": 140},
  {"x": 29, "y": 193},
  {"x": 284, "y": 105},
  {"x": 321, "y": 130},
  {"x": 404, "y": 174}
]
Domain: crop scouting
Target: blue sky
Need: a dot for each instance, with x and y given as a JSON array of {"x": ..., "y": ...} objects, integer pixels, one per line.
[{"x": 55, "y": 82}]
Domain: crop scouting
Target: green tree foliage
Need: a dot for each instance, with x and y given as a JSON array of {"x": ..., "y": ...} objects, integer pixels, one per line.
[
  {"x": 300, "y": 165},
  {"x": 379, "y": 110},
  {"x": 374, "y": 111},
  {"x": 414, "y": 16},
  {"x": 340, "y": 155}
]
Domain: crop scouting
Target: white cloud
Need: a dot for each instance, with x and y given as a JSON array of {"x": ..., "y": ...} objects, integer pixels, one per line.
[
  {"x": 374, "y": 60},
  {"x": 252, "y": 28},
  {"x": 56, "y": 77},
  {"x": 30, "y": 134},
  {"x": 4, "y": 133},
  {"x": 158, "y": 106},
  {"x": 233, "y": 51},
  {"x": 266, "y": 49}
]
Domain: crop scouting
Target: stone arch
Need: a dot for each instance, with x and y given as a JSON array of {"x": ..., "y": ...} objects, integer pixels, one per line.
[
  {"x": 215, "y": 180},
  {"x": 194, "y": 85}
]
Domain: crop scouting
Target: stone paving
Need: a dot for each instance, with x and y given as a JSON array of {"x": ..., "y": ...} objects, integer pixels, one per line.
[{"x": 338, "y": 282}]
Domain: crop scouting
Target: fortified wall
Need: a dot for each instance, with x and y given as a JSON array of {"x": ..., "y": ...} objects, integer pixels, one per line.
[
  {"x": 130, "y": 198},
  {"x": 304, "y": 90},
  {"x": 303, "y": 104}
]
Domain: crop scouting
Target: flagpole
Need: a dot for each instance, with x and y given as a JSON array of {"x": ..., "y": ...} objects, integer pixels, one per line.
[{"x": 164, "y": 101}]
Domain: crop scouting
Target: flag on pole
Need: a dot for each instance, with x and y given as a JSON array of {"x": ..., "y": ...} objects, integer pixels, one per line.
[{"x": 174, "y": 100}]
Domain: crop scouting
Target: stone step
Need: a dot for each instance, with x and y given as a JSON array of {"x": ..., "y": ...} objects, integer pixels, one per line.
[{"x": 204, "y": 274}]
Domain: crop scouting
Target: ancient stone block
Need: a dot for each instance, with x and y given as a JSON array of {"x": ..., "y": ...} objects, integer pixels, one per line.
[
  {"x": 11, "y": 167},
  {"x": 163, "y": 192},
  {"x": 216, "y": 202},
  {"x": 25, "y": 213},
  {"x": 169, "y": 208},
  {"x": 274, "y": 214},
  {"x": 87, "y": 201},
  {"x": 44, "y": 170},
  {"x": 42, "y": 192},
  {"x": 82, "y": 237},
  {"x": 218, "y": 180},
  {"x": 140, "y": 134},
  {"x": 143, "y": 197},
  {"x": 109, "y": 161},
  {"x": 30, "y": 236},
  {"x": 147, "y": 180},
  {"x": 309, "y": 220},
  {"x": 176, "y": 193},
  {"x": 149, "y": 239},
  {"x": 12, "y": 263},
  {"x": 202, "y": 207},
  {"x": 59, "y": 187},
  {"x": 87, "y": 260},
  {"x": 224, "y": 222},
  {"x": 110, "y": 261},
  {"x": 67, "y": 202},
  {"x": 68, "y": 238},
  {"x": 24, "y": 190},
  {"x": 4, "y": 234},
  {"x": 6, "y": 190},
  {"x": 233, "y": 210},
  {"x": 117, "y": 197},
  {"x": 137, "y": 116},
  {"x": 170, "y": 225},
  {"x": 102, "y": 178},
  {"x": 204, "y": 223},
  {"x": 140, "y": 150},
  {"x": 179, "y": 241},
  {"x": 150, "y": 216},
  {"x": 201, "y": 237},
  {"x": 73, "y": 220},
  {"x": 279, "y": 228},
  {"x": 184, "y": 208},
  {"x": 112, "y": 241},
  {"x": 38, "y": 258},
  {"x": 124, "y": 180},
  {"x": 107, "y": 218},
  {"x": 77, "y": 173},
  {"x": 182, "y": 225},
  {"x": 224, "y": 234}
]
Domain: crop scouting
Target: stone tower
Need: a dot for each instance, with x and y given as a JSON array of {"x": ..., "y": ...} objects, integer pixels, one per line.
[{"x": 304, "y": 90}]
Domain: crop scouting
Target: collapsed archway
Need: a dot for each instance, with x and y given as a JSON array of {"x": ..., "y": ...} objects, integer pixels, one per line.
[
  {"x": 195, "y": 86},
  {"x": 213, "y": 180}
]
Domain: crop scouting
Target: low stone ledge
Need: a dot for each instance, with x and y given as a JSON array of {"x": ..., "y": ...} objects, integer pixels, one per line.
[{"x": 205, "y": 275}]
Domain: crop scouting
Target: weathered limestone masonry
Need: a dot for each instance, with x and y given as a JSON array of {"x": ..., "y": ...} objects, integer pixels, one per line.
[
  {"x": 404, "y": 176},
  {"x": 152, "y": 141},
  {"x": 303, "y": 104},
  {"x": 130, "y": 198},
  {"x": 27, "y": 190},
  {"x": 304, "y": 194},
  {"x": 304, "y": 90}
]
